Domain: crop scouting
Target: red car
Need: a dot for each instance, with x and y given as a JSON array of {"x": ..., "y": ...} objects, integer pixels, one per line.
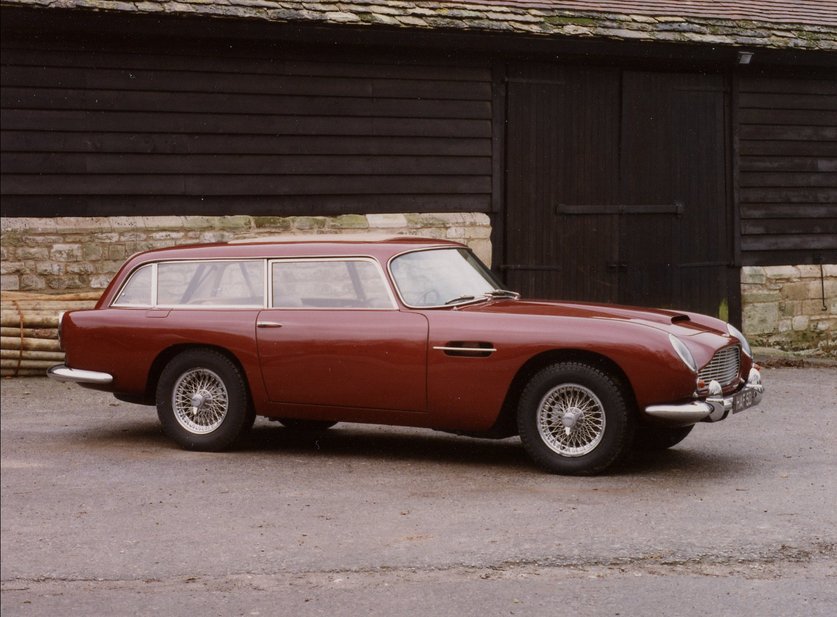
[{"x": 402, "y": 331}]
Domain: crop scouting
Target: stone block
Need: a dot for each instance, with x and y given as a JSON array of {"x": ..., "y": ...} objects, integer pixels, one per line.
[
  {"x": 9, "y": 282},
  {"x": 38, "y": 253},
  {"x": 781, "y": 273},
  {"x": 386, "y": 221},
  {"x": 308, "y": 223},
  {"x": 12, "y": 267},
  {"x": 49, "y": 268},
  {"x": 99, "y": 281},
  {"x": 800, "y": 291},
  {"x": 800, "y": 322},
  {"x": 92, "y": 251},
  {"x": 32, "y": 282},
  {"x": 753, "y": 275},
  {"x": 760, "y": 318},
  {"x": 349, "y": 221},
  {"x": 278, "y": 223},
  {"x": 81, "y": 267}
]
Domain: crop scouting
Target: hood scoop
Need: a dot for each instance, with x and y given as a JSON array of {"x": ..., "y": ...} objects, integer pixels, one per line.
[{"x": 680, "y": 318}]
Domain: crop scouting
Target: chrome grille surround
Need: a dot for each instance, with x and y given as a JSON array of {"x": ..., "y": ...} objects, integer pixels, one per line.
[{"x": 724, "y": 366}]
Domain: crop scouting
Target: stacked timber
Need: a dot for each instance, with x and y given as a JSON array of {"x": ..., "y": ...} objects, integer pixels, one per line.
[{"x": 29, "y": 329}]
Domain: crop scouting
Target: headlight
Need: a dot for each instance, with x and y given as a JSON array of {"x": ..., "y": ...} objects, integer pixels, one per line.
[
  {"x": 683, "y": 352},
  {"x": 745, "y": 346}
]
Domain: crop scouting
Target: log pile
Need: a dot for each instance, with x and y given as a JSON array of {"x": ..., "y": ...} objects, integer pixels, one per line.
[{"x": 29, "y": 329}]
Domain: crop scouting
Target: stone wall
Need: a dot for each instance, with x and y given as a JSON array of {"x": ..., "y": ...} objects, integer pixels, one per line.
[
  {"x": 782, "y": 306},
  {"x": 82, "y": 254},
  {"x": 791, "y": 307}
]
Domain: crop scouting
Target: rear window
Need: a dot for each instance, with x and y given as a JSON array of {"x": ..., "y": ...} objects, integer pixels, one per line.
[{"x": 137, "y": 291}]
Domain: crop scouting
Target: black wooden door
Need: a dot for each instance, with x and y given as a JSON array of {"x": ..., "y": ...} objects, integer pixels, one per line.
[{"x": 617, "y": 188}]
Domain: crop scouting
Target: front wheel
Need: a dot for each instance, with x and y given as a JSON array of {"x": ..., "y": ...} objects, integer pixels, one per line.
[
  {"x": 202, "y": 400},
  {"x": 575, "y": 419}
]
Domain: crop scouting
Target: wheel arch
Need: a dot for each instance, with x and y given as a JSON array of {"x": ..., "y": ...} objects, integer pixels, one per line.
[
  {"x": 166, "y": 355},
  {"x": 506, "y": 424}
]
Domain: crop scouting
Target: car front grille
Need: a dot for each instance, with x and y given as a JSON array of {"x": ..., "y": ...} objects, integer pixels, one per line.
[{"x": 723, "y": 367}]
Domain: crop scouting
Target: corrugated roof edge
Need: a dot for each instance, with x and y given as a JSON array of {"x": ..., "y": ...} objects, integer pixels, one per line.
[{"x": 487, "y": 16}]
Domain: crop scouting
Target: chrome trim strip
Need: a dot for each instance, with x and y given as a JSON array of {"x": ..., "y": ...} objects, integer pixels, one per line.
[
  {"x": 468, "y": 349},
  {"x": 62, "y": 372}
]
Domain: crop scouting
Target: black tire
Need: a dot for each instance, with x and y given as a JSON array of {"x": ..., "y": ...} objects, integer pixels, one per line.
[
  {"x": 575, "y": 419},
  {"x": 306, "y": 425},
  {"x": 654, "y": 438},
  {"x": 202, "y": 401}
]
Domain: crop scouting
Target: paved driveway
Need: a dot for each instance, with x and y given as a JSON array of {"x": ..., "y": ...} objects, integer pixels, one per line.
[{"x": 101, "y": 515}]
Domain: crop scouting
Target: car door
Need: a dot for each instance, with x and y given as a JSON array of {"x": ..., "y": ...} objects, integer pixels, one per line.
[{"x": 334, "y": 336}]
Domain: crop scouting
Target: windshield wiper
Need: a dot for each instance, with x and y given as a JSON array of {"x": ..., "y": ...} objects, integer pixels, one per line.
[
  {"x": 460, "y": 299},
  {"x": 502, "y": 293}
]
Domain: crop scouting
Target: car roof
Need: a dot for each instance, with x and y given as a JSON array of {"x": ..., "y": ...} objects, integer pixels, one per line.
[{"x": 379, "y": 246}]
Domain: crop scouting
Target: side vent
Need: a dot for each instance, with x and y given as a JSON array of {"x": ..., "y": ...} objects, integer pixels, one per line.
[{"x": 467, "y": 349}]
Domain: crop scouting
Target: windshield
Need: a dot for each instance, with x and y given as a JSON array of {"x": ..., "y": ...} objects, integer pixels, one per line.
[{"x": 442, "y": 277}]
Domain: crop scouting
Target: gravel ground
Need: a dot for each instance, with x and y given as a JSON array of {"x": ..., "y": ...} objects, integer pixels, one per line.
[{"x": 101, "y": 515}]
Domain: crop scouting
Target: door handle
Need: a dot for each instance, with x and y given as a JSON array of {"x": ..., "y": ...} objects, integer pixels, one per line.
[{"x": 268, "y": 324}]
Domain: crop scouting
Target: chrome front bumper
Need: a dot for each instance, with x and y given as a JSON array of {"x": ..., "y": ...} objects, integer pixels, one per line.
[
  {"x": 716, "y": 407},
  {"x": 62, "y": 372}
]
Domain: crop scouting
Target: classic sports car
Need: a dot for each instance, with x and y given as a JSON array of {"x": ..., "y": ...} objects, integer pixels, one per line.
[{"x": 402, "y": 331}]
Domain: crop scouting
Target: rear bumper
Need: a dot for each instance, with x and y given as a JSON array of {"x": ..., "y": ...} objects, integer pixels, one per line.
[
  {"x": 714, "y": 408},
  {"x": 62, "y": 372}
]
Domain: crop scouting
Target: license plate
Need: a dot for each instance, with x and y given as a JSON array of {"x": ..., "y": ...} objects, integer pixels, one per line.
[{"x": 743, "y": 400}]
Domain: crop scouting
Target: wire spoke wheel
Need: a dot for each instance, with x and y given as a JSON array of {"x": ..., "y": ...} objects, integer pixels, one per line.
[
  {"x": 575, "y": 418},
  {"x": 200, "y": 400},
  {"x": 571, "y": 420}
]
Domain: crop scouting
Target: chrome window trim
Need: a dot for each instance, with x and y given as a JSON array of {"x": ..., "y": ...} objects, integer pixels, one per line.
[
  {"x": 179, "y": 307},
  {"x": 393, "y": 304},
  {"x": 128, "y": 279}
]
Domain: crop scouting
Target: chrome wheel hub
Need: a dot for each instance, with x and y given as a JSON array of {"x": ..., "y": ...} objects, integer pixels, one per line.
[
  {"x": 200, "y": 401},
  {"x": 571, "y": 420}
]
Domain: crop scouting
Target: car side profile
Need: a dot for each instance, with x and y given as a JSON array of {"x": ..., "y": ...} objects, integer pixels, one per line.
[{"x": 399, "y": 331}]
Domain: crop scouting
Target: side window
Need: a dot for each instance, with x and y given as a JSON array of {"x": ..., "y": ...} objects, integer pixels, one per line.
[
  {"x": 211, "y": 283},
  {"x": 329, "y": 284},
  {"x": 137, "y": 291}
]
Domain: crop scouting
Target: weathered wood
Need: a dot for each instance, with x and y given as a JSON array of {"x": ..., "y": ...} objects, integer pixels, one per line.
[
  {"x": 34, "y": 320},
  {"x": 26, "y": 364},
  {"x": 33, "y": 344},
  {"x": 29, "y": 332},
  {"x": 29, "y": 354}
]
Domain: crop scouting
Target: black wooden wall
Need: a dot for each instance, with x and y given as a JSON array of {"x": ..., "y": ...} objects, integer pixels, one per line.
[
  {"x": 108, "y": 127},
  {"x": 787, "y": 164}
]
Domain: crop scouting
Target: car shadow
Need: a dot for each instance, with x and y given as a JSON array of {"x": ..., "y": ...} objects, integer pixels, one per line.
[
  {"x": 371, "y": 442},
  {"x": 358, "y": 442}
]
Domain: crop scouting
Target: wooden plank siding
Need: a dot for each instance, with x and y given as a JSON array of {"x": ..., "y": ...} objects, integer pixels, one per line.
[
  {"x": 117, "y": 128},
  {"x": 787, "y": 170}
]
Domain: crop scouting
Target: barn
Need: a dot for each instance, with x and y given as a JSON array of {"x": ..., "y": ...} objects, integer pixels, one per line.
[{"x": 644, "y": 152}]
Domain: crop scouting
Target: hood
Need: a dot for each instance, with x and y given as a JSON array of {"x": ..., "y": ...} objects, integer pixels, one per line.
[{"x": 675, "y": 322}]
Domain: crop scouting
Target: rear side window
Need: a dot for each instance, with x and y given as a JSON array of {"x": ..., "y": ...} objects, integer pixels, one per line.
[
  {"x": 211, "y": 283},
  {"x": 336, "y": 283},
  {"x": 137, "y": 291},
  {"x": 196, "y": 283}
]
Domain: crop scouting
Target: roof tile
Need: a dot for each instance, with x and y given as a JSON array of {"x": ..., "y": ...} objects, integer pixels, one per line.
[{"x": 800, "y": 24}]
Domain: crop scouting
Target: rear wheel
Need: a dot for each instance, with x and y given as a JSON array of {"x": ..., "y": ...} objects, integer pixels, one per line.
[
  {"x": 651, "y": 438},
  {"x": 202, "y": 400},
  {"x": 575, "y": 419}
]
